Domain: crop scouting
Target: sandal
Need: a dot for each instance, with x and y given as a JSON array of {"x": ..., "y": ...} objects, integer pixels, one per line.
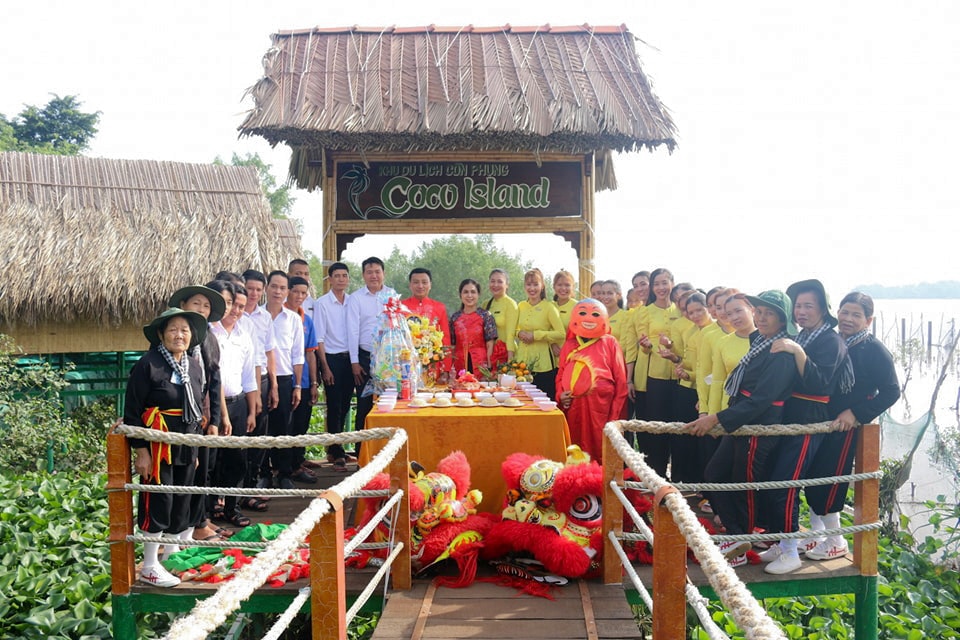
[
  {"x": 239, "y": 520},
  {"x": 224, "y": 532},
  {"x": 218, "y": 515},
  {"x": 254, "y": 504},
  {"x": 340, "y": 465}
]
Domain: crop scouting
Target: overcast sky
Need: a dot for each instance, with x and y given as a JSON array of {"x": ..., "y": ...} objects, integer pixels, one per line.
[{"x": 815, "y": 139}]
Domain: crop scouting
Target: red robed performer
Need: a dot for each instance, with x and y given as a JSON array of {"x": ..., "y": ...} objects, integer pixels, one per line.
[{"x": 591, "y": 378}]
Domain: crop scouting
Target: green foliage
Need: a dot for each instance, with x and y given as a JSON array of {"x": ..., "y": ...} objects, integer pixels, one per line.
[
  {"x": 916, "y": 594},
  {"x": 452, "y": 259},
  {"x": 281, "y": 201},
  {"x": 59, "y": 127},
  {"x": 36, "y": 432},
  {"x": 318, "y": 273},
  {"x": 54, "y": 559}
]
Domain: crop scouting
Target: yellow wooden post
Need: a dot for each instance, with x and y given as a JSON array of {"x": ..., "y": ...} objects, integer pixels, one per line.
[
  {"x": 399, "y": 480},
  {"x": 867, "y": 499},
  {"x": 669, "y": 573},
  {"x": 612, "y": 512},
  {"x": 120, "y": 503},
  {"x": 328, "y": 589}
]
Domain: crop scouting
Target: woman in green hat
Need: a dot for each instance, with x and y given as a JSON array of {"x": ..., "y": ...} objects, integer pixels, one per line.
[
  {"x": 821, "y": 360},
  {"x": 163, "y": 393},
  {"x": 757, "y": 387}
]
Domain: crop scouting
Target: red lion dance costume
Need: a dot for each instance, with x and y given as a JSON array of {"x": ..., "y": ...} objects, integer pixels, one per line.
[
  {"x": 444, "y": 522},
  {"x": 591, "y": 377},
  {"x": 553, "y": 513}
]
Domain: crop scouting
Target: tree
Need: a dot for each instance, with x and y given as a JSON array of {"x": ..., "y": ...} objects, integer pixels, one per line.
[
  {"x": 59, "y": 128},
  {"x": 452, "y": 259},
  {"x": 281, "y": 202}
]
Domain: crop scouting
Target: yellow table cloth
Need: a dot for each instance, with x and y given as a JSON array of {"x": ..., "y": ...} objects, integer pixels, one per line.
[{"x": 487, "y": 435}]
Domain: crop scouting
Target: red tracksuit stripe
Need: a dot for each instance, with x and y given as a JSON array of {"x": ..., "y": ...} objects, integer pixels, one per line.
[
  {"x": 793, "y": 493},
  {"x": 847, "y": 442},
  {"x": 751, "y": 513}
]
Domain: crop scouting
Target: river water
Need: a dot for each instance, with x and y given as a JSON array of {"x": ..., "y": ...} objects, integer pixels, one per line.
[{"x": 932, "y": 323}]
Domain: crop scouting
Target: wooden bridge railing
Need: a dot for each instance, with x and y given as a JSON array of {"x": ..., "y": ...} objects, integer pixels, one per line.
[
  {"x": 670, "y": 549},
  {"x": 327, "y": 574}
]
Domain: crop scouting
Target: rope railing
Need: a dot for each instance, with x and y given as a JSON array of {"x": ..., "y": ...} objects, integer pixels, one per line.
[
  {"x": 210, "y": 613},
  {"x": 653, "y": 426},
  {"x": 283, "y": 621},
  {"x": 697, "y": 602},
  {"x": 746, "y": 611}
]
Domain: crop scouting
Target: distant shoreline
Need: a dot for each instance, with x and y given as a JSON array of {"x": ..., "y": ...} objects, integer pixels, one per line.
[{"x": 942, "y": 290}]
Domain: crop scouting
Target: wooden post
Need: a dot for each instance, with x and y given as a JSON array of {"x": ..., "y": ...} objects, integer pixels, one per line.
[
  {"x": 669, "y": 574},
  {"x": 612, "y": 513},
  {"x": 400, "y": 573},
  {"x": 866, "y": 509},
  {"x": 867, "y": 499},
  {"x": 120, "y": 503},
  {"x": 328, "y": 586}
]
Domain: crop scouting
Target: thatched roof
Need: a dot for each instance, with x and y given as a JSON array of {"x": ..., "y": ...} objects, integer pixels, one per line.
[
  {"x": 531, "y": 89},
  {"x": 94, "y": 239}
]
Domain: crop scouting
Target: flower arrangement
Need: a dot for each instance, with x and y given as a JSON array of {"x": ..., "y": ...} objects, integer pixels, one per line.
[{"x": 427, "y": 342}]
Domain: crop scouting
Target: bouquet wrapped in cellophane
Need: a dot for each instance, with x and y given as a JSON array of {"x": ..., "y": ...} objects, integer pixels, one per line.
[{"x": 394, "y": 361}]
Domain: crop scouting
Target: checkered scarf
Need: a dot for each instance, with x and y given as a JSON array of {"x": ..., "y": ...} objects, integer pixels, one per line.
[
  {"x": 845, "y": 384},
  {"x": 191, "y": 410},
  {"x": 735, "y": 379},
  {"x": 857, "y": 338}
]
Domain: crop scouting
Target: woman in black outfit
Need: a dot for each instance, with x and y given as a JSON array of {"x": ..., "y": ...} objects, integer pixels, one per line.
[
  {"x": 875, "y": 390},
  {"x": 758, "y": 387}
]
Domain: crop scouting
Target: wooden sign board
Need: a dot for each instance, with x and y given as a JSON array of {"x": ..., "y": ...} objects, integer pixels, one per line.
[
  {"x": 458, "y": 192},
  {"x": 443, "y": 190}
]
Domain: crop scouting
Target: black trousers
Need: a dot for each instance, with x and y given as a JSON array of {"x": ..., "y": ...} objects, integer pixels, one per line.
[
  {"x": 659, "y": 408},
  {"x": 364, "y": 403},
  {"x": 833, "y": 458},
  {"x": 280, "y": 424},
  {"x": 339, "y": 395},
  {"x": 685, "y": 465},
  {"x": 167, "y": 512},
  {"x": 300, "y": 424},
  {"x": 546, "y": 381},
  {"x": 740, "y": 459},
  {"x": 255, "y": 457},
  {"x": 232, "y": 463}
]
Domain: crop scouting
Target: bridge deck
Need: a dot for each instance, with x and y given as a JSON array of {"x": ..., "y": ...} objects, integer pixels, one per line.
[{"x": 580, "y": 610}]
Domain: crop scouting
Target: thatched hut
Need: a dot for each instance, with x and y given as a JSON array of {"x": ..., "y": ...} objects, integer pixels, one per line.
[
  {"x": 429, "y": 93},
  {"x": 93, "y": 247},
  {"x": 577, "y": 89}
]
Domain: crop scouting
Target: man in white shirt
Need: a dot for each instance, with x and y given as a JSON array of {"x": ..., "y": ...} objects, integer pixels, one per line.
[
  {"x": 238, "y": 381},
  {"x": 363, "y": 307},
  {"x": 256, "y": 318},
  {"x": 333, "y": 356},
  {"x": 289, "y": 358}
]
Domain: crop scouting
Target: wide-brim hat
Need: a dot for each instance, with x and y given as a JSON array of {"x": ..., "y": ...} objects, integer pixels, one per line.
[
  {"x": 198, "y": 326},
  {"x": 217, "y": 304},
  {"x": 817, "y": 287},
  {"x": 779, "y": 302}
]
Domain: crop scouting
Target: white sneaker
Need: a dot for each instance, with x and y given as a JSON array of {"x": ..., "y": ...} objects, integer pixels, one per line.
[
  {"x": 158, "y": 577},
  {"x": 732, "y": 549},
  {"x": 828, "y": 550},
  {"x": 738, "y": 561},
  {"x": 786, "y": 563},
  {"x": 772, "y": 553},
  {"x": 808, "y": 544}
]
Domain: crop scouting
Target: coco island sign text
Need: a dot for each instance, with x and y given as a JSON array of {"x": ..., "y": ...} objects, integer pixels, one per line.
[{"x": 458, "y": 189}]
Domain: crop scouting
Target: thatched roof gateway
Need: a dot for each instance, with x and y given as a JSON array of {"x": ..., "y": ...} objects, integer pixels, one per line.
[
  {"x": 105, "y": 242},
  {"x": 532, "y": 89}
]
